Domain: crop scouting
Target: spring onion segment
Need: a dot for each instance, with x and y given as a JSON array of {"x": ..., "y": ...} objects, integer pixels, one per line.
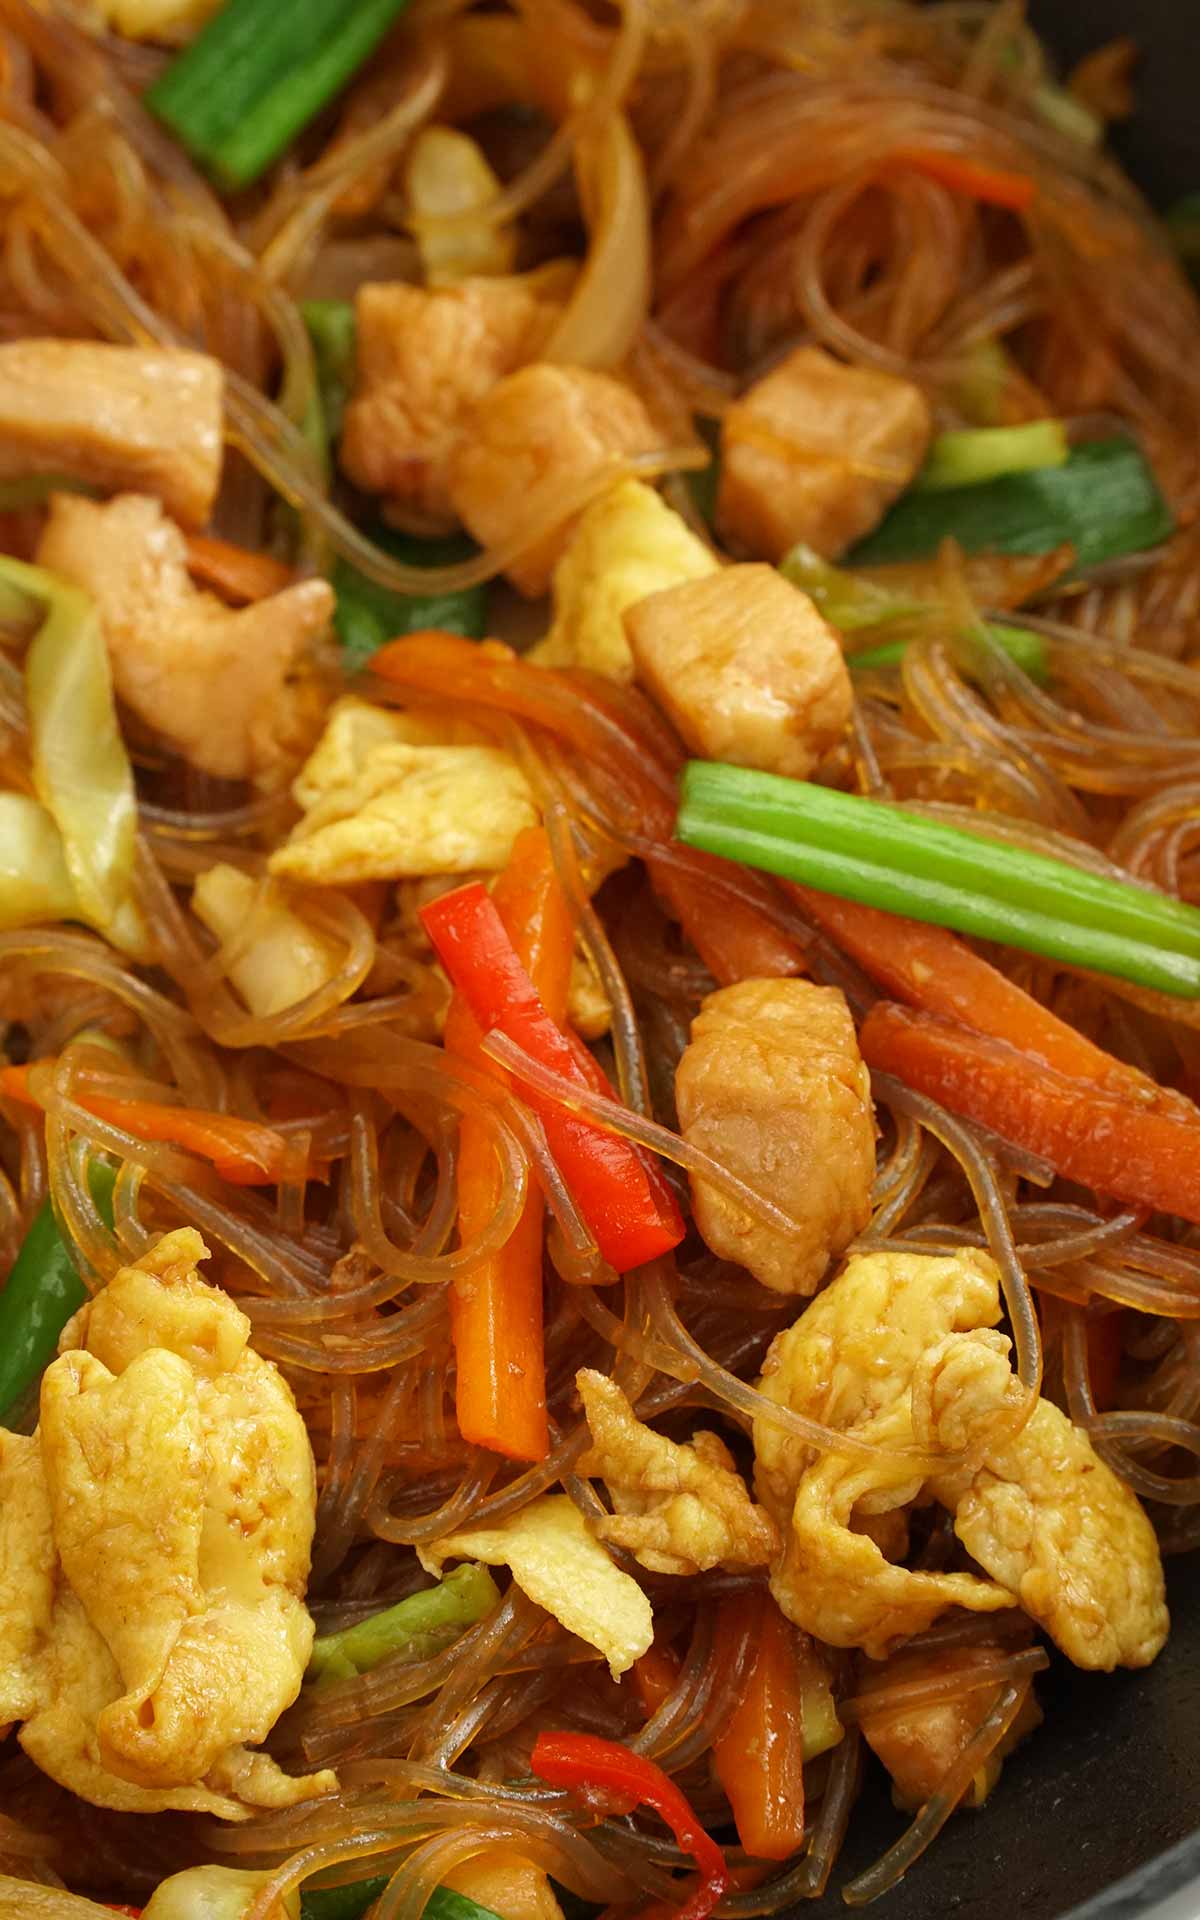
[
  {"x": 1021, "y": 644},
  {"x": 1103, "y": 501},
  {"x": 333, "y": 330},
  {"x": 41, "y": 1293},
  {"x": 977, "y": 454},
  {"x": 367, "y": 615},
  {"x": 416, "y": 1628},
  {"x": 352, "y": 1902},
  {"x": 258, "y": 73},
  {"x": 885, "y": 856}
]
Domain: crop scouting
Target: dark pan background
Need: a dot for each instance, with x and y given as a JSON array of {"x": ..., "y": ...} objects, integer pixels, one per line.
[{"x": 1112, "y": 1782}]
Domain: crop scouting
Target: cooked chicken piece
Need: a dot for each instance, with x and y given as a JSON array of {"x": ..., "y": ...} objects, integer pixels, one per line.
[
  {"x": 426, "y": 356},
  {"x": 628, "y": 544},
  {"x": 216, "y": 684},
  {"x": 139, "y": 417},
  {"x": 412, "y": 810},
  {"x": 772, "y": 1084},
  {"x": 504, "y": 1882},
  {"x": 281, "y": 958},
  {"x": 446, "y": 177},
  {"x": 833, "y": 1581},
  {"x": 853, "y": 1351},
  {"x": 1042, "y": 1512},
  {"x": 563, "y": 1568},
  {"x": 678, "y": 1509},
  {"x": 534, "y": 439},
  {"x": 818, "y": 451},
  {"x": 215, "y": 1893},
  {"x": 919, "y": 1744},
  {"x": 161, "y": 1519},
  {"x": 745, "y": 667}
]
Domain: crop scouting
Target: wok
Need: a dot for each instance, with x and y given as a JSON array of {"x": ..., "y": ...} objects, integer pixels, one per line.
[{"x": 1097, "y": 1817}]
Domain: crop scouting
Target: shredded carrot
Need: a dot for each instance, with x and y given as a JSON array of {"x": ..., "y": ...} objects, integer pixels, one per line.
[
  {"x": 759, "y": 1757},
  {"x": 1101, "y": 1136},
  {"x": 237, "y": 573},
  {"x": 496, "y": 1310},
  {"x": 996, "y": 186},
  {"x": 654, "y": 1677},
  {"x": 243, "y": 1152}
]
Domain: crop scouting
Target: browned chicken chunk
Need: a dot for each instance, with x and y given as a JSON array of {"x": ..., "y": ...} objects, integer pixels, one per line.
[
  {"x": 212, "y": 682},
  {"x": 746, "y": 668},
  {"x": 426, "y": 356},
  {"x": 533, "y": 439},
  {"x": 141, "y": 417},
  {"x": 817, "y": 451},
  {"x": 772, "y": 1084}
]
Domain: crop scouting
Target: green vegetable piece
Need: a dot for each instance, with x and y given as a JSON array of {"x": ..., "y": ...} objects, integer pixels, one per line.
[
  {"x": 41, "y": 1293},
  {"x": 367, "y": 614},
  {"x": 414, "y": 1629},
  {"x": 333, "y": 330},
  {"x": 885, "y": 856},
  {"x": 1061, "y": 110},
  {"x": 1104, "y": 502},
  {"x": 968, "y": 458},
  {"x": 350, "y": 1903},
  {"x": 258, "y": 73},
  {"x": 1028, "y": 649},
  {"x": 847, "y": 602}
]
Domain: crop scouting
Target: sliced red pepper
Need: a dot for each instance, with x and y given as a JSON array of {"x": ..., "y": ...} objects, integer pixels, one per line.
[
  {"x": 242, "y": 1151},
  {"x": 602, "y": 1769},
  {"x": 619, "y": 1190}
]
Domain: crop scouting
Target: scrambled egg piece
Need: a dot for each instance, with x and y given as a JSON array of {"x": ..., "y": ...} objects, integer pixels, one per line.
[
  {"x": 281, "y": 958},
  {"x": 1041, "y": 1512},
  {"x": 504, "y": 1882},
  {"x": 772, "y": 1084},
  {"x": 446, "y": 175},
  {"x": 382, "y": 805},
  {"x": 219, "y": 684},
  {"x": 158, "y": 1525},
  {"x": 560, "y": 1565},
  {"x": 897, "y": 1352},
  {"x": 679, "y": 1509},
  {"x": 628, "y": 544},
  {"x": 166, "y": 20}
]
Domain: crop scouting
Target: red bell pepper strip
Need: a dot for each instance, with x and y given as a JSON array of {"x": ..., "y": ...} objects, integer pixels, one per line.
[
  {"x": 606, "y": 1771},
  {"x": 242, "y": 1151},
  {"x": 619, "y": 1190}
]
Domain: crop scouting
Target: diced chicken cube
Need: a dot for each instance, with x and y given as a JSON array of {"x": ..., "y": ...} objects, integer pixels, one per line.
[
  {"x": 533, "y": 441},
  {"x": 918, "y": 1744},
  {"x": 745, "y": 667},
  {"x": 818, "y": 451},
  {"x": 217, "y": 685},
  {"x": 119, "y": 417},
  {"x": 772, "y": 1084},
  {"x": 628, "y": 544},
  {"x": 426, "y": 357}
]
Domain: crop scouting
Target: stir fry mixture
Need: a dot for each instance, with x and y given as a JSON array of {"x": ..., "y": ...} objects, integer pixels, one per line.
[{"x": 599, "y": 952}]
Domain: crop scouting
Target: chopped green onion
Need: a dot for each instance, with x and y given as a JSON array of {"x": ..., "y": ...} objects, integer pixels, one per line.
[
  {"x": 977, "y": 454},
  {"x": 258, "y": 73},
  {"x": 848, "y": 603},
  {"x": 41, "y": 1293},
  {"x": 415, "y": 1628},
  {"x": 333, "y": 331},
  {"x": 1028, "y": 649},
  {"x": 885, "y": 856},
  {"x": 367, "y": 615},
  {"x": 1104, "y": 502},
  {"x": 350, "y": 1903},
  {"x": 1060, "y": 109}
]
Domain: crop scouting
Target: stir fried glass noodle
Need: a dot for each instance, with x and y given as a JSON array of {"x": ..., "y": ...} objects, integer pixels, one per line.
[{"x": 599, "y": 953}]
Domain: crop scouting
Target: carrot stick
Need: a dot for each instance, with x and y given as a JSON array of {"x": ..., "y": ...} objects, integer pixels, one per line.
[
  {"x": 237, "y": 573},
  {"x": 496, "y": 1310},
  {"x": 996, "y": 186},
  {"x": 1101, "y": 1136},
  {"x": 759, "y": 1757},
  {"x": 934, "y": 969},
  {"x": 654, "y": 1677}
]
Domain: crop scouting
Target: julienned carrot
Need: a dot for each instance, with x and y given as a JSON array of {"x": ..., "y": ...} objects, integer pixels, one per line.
[
  {"x": 934, "y": 969},
  {"x": 1143, "y": 1154},
  {"x": 654, "y": 1677},
  {"x": 734, "y": 941},
  {"x": 242, "y": 1151},
  {"x": 496, "y": 1310},
  {"x": 760, "y": 1756},
  {"x": 237, "y": 573},
  {"x": 996, "y": 186}
]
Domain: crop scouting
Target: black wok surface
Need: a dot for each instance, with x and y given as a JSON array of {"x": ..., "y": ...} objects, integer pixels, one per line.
[{"x": 1086, "y": 1811}]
